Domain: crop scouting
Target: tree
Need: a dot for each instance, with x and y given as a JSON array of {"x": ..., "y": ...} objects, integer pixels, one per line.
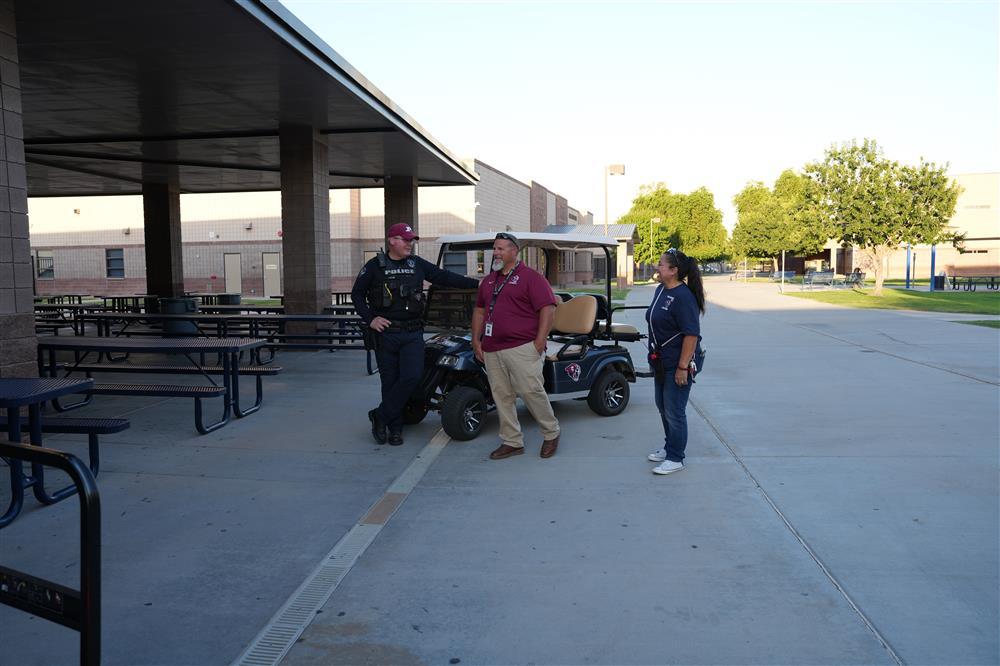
[
  {"x": 877, "y": 204},
  {"x": 786, "y": 218},
  {"x": 759, "y": 230},
  {"x": 690, "y": 222}
]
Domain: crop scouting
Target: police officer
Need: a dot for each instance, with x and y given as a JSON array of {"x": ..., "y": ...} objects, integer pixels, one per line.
[{"x": 389, "y": 296}]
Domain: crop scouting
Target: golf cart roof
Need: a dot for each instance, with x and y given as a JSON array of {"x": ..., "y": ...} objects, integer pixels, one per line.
[{"x": 547, "y": 241}]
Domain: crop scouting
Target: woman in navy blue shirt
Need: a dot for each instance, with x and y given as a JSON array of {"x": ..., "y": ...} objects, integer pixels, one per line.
[{"x": 674, "y": 334}]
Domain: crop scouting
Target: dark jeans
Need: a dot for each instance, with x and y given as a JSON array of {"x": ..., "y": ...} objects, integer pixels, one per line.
[
  {"x": 672, "y": 400},
  {"x": 400, "y": 367}
]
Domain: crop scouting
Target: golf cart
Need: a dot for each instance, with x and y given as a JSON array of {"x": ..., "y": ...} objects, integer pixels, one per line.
[{"x": 584, "y": 359}]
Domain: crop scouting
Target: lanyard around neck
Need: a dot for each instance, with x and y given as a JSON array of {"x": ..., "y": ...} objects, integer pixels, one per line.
[{"x": 499, "y": 287}]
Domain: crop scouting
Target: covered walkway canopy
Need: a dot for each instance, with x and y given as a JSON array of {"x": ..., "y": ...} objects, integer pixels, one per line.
[
  {"x": 160, "y": 97},
  {"x": 120, "y": 93}
]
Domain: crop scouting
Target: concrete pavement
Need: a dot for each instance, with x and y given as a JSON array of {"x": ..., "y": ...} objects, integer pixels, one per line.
[{"x": 839, "y": 505}]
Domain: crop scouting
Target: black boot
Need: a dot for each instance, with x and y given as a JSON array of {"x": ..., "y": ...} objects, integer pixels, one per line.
[
  {"x": 378, "y": 428},
  {"x": 395, "y": 439}
]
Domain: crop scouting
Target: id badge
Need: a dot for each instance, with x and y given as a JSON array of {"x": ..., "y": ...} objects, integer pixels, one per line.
[{"x": 489, "y": 329}]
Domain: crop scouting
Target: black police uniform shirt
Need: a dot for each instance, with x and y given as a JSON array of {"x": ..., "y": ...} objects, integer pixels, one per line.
[
  {"x": 672, "y": 314},
  {"x": 411, "y": 273}
]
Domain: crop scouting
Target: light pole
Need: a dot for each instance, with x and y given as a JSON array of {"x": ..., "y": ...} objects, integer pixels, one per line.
[
  {"x": 652, "y": 220},
  {"x": 614, "y": 170}
]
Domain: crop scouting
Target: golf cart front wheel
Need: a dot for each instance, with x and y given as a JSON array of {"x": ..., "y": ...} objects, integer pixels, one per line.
[
  {"x": 463, "y": 413},
  {"x": 609, "y": 394}
]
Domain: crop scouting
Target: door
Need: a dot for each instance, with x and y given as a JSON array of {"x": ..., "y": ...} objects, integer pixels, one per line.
[
  {"x": 234, "y": 273},
  {"x": 271, "y": 261}
]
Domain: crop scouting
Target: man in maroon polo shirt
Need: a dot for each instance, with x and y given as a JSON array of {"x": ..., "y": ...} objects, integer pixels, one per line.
[{"x": 510, "y": 324}]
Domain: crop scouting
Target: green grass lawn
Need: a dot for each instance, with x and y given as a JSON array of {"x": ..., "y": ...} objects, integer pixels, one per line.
[
  {"x": 901, "y": 282},
  {"x": 897, "y": 299},
  {"x": 988, "y": 323}
]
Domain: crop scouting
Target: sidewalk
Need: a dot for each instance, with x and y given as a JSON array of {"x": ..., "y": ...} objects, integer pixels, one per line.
[
  {"x": 861, "y": 522},
  {"x": 841, "y": 486}
]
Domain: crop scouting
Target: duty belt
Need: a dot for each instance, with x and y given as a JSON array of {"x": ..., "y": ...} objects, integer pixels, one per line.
[{"x": 405, "y": 326}]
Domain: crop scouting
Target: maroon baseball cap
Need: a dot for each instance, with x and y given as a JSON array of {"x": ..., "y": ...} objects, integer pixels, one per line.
[{"x": 402, "y": 230}]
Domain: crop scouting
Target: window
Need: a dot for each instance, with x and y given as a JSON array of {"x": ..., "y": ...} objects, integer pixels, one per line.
[
  {"x": 566, "y": 261},
  {"x": 114, "y": 259},
  {"x": 481, "y": 262},
  {"x": 44, "y": 265},
  {"x": 455, "y": 262}
]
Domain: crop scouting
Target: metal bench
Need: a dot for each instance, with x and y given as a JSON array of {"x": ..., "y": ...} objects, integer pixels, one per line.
[
  {"x": 823, "y": 279},
  {"x": 156, "y": 391},
  {"x": 52, "y": 327},
  {"x": 777, "y": 276},
  {"x": 92, "y": 427},
  {"x": 257, "y": 371}
]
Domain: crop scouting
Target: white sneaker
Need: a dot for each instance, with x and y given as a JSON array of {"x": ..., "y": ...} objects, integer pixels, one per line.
[
  {"x": 659, "y": 455},
  {"x": 668, "y": 467}
]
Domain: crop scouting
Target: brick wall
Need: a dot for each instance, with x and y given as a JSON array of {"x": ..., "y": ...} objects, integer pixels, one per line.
[
  {"x": 17, "y": 330},
  {"x": 561, "y": 211},
  {"x": 539, "y": 207}
]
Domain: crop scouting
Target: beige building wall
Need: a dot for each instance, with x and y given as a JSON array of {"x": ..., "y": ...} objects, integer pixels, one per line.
[
  {"x": 977, "y": 215},
  {"x": 502, "y": 203},
  {"x": 78, "y": 230}
]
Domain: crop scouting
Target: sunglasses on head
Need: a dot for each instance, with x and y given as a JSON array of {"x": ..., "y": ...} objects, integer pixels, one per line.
[{"x": 507, "y": 237}]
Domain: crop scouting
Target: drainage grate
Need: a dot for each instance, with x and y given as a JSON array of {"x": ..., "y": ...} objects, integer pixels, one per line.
[{"x": 277, "y": 638}]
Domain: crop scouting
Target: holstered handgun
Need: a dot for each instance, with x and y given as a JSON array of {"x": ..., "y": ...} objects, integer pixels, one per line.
[{"x": 370, "y": 337}]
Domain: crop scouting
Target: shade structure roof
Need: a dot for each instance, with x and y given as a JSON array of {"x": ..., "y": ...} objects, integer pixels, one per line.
[
  {"x": 525, "y": 239},
  {"x": 615, "y": 231},
  {"x": 117, "y": 93}
]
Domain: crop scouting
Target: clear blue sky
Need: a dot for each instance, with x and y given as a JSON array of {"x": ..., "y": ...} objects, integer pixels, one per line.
[{"x": 690, "y": 94}]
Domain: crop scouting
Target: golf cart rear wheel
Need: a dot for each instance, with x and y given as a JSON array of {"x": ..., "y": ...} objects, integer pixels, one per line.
[
  {"x": 463, "y": 413},
  {"x": 414, "y": 412},
  {"x": 609, "y": 394}
]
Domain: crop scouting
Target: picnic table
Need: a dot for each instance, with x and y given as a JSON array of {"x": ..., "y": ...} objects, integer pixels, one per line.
[
  {"x": 30, "y": 393},
  {"x": 216, "y": 299},
  {"x": 67, "y": 312},
  {"x": 241, "y": 308},
  {"x": 229, "y": 350},
  {"x": 342, "y": 331},
  {"x": 338, "y": 297},
  {"x": 133, "y": 303},
  {"x": 344, "y": 308},
  {"x": 103, "y": 322},
  {"x": 59, "y": 299},
  {"x": 969, "y": 282}
]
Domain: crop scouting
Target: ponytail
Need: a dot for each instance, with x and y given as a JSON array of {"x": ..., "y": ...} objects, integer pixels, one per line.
[{"x": 688, "y": 271}]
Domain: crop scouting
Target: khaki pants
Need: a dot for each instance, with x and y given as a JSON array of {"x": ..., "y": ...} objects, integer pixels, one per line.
[{"x": 517, "y": 373}]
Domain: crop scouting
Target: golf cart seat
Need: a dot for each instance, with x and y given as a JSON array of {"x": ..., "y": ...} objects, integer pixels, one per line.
[
  {"x": 618, "y": 332},
  {"x": 571, "y": 328}
]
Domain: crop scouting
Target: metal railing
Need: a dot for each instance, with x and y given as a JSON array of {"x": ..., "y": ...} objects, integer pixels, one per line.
[{"x": 76, "y": 609}]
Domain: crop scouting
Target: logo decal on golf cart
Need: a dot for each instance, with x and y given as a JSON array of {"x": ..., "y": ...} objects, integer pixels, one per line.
[{"x": 573, "y": 370}]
